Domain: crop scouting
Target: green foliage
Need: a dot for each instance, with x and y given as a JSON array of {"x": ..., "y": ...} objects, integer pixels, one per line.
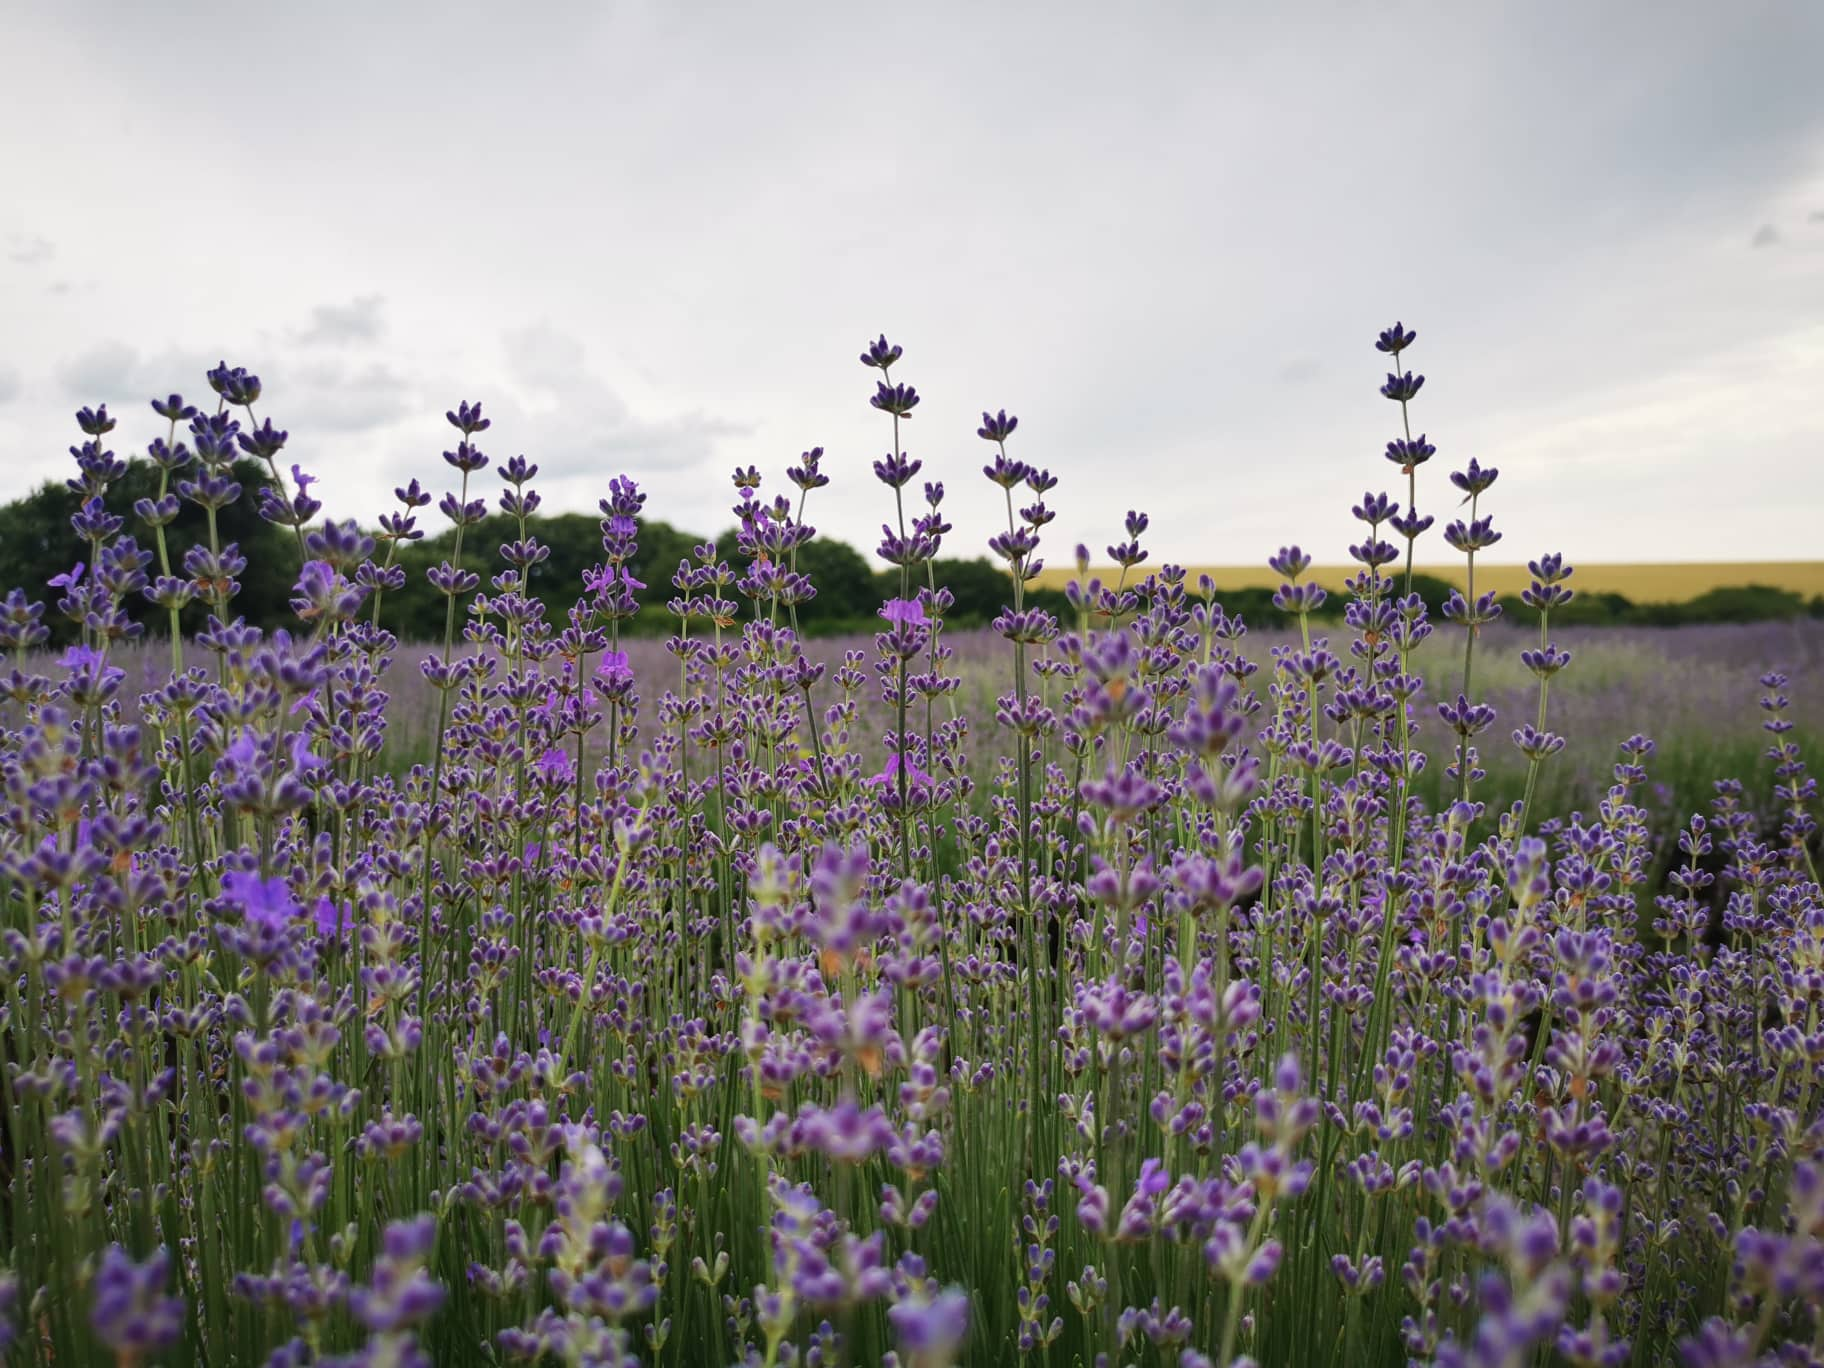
[
  {"x": 980, "y": 587},
  {"x": 846, "y": 595},
  {"x": 1725, "y": 603},
  {"x": 1428, "y": 587},
  {"x": 36, "y": 542},
  {"x": 574, "y": 541},
  {"x": 1743, "y": 603}
]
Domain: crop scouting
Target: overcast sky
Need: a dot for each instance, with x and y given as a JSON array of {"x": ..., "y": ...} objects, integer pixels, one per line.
[{"x": 653, "y": 239}]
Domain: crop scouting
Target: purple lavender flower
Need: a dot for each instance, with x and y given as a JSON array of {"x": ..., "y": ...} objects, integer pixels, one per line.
[
  {"x": 1402, "y": 386},
  {"x": 332, "y": 920},
  {"x": 904, "y": 613},
  {"x": 930, "y": 1329},
  {"x": 1395, "y": 340},
  {"x": 881, "y": 354},
  {"x": 132, "y": 1315},
  {"x": 554, "y": 767},
  {"x": 612, "y": 669},
  {"x": 95, "y": 422},
  {"x": 898, "y": 400},
  {"x": 889, "y": 777},
  {"x": 362, "y": 927},
  {"x": 996, "y": 427},
  {"x": 265, "y": 903}
]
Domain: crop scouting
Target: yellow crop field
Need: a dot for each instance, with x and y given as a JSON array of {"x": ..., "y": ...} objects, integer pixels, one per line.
[{"x": 1640, "y": 582}]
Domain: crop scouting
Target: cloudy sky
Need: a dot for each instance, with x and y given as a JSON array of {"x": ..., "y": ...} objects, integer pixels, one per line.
[{"x": 653, "y": 239}]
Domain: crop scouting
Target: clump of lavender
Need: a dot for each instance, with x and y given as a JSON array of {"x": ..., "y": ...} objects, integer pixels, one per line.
[
  {"x": 766, "y": 1002},
  {"x": 1406, "y": 451}
]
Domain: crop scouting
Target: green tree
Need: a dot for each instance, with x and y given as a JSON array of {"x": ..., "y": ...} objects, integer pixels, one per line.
[{"x": 36, "y": 542}]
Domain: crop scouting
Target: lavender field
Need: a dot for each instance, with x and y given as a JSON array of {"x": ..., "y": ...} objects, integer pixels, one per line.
[{"x": 1134, "y": 988}]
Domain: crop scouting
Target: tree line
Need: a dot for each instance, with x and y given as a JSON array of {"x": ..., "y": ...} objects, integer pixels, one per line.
[{"x": 36, "y": 542}]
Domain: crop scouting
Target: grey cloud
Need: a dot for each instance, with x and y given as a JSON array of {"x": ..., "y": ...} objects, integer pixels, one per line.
[
  {"x": 594, "y": 425},
  {"x": 333, "y": 397},
  {"x": 323, "y": 395},
  {"x": 28, "y": 249},
  {"x": 359, "y": 320},
  {"x": 102, "y": 373},
  {"x": 9, "y": 384},
  {"x": 115, "y": 372},
  {"x": 1162, "y": 261},
  {"x": 1765, "y": 236}
]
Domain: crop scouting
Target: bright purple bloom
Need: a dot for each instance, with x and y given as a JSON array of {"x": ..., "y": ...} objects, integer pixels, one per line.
[
  {"x": 889, "y": 777},
  {"x": 554, "y": 766},
  {"x": 332, "y": 920},
  {"x": 904, "y": 613},
  {"x": 264, "y": 902},
  {"x": 881, "y": 354},
  {"x": 613, "y": 668},
  {"x": 929, "y": 1332},
  {"x": 303, "y": 759},
  {"x": 132, "y": 1315}
]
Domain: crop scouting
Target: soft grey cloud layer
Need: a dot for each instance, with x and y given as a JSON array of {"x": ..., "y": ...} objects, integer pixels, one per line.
[
  {"x": 107, "y": 368},
  {"x": 28, "y": 249},
  {"x": 359, "y": 320},
  {"x": 654, "y": 237}
]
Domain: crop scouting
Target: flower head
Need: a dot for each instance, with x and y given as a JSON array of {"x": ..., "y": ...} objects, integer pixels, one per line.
[
  {"x": 996, "y": 427},
  {"x": 332, "y": 920},
  {"x": 1395, "y": 340},
  {"x": 554, "y": 766},
  {"x": 613, "y": 668},
  {"x": 898, "y": 400},
  {"x": 889, "y": 777},
  {"x": 904, "y": 613},
  {"x": 95, "y": 422},
  {"x": 930, "y": 1330},
  {"x": 132, "y": 1315},
  {"x": 263, "y": 902},
  {"x": 881, "y": 354}
]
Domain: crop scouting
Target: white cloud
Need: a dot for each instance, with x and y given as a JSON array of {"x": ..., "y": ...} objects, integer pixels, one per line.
[
  {"x": 29, "y": 249},
  {"x": 338, "y": 397},
  {"x": 103, "y": 372},
  {"x": 576, "y": 423},
  {"x": 1166, "y": 246},
  {"x": 359, "y": 320}
]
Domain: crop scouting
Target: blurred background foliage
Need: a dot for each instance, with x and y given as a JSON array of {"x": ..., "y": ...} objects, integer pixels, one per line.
[{"x": 36, "y": 542}]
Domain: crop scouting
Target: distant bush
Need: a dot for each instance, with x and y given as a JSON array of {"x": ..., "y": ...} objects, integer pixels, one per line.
[
  {"x": 36, "y": 541},
  {"x": 35, "y": 532},
  {"x": 1724, "y": 603}
]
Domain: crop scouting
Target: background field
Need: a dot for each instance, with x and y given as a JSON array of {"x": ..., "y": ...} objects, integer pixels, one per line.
[
  {"x": 1694, "y": 690},
  {"x": 1643, "y": 582}
]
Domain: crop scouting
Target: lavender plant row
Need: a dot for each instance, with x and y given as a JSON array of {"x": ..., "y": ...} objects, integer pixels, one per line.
[{"x": 736, "y": 1006}]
